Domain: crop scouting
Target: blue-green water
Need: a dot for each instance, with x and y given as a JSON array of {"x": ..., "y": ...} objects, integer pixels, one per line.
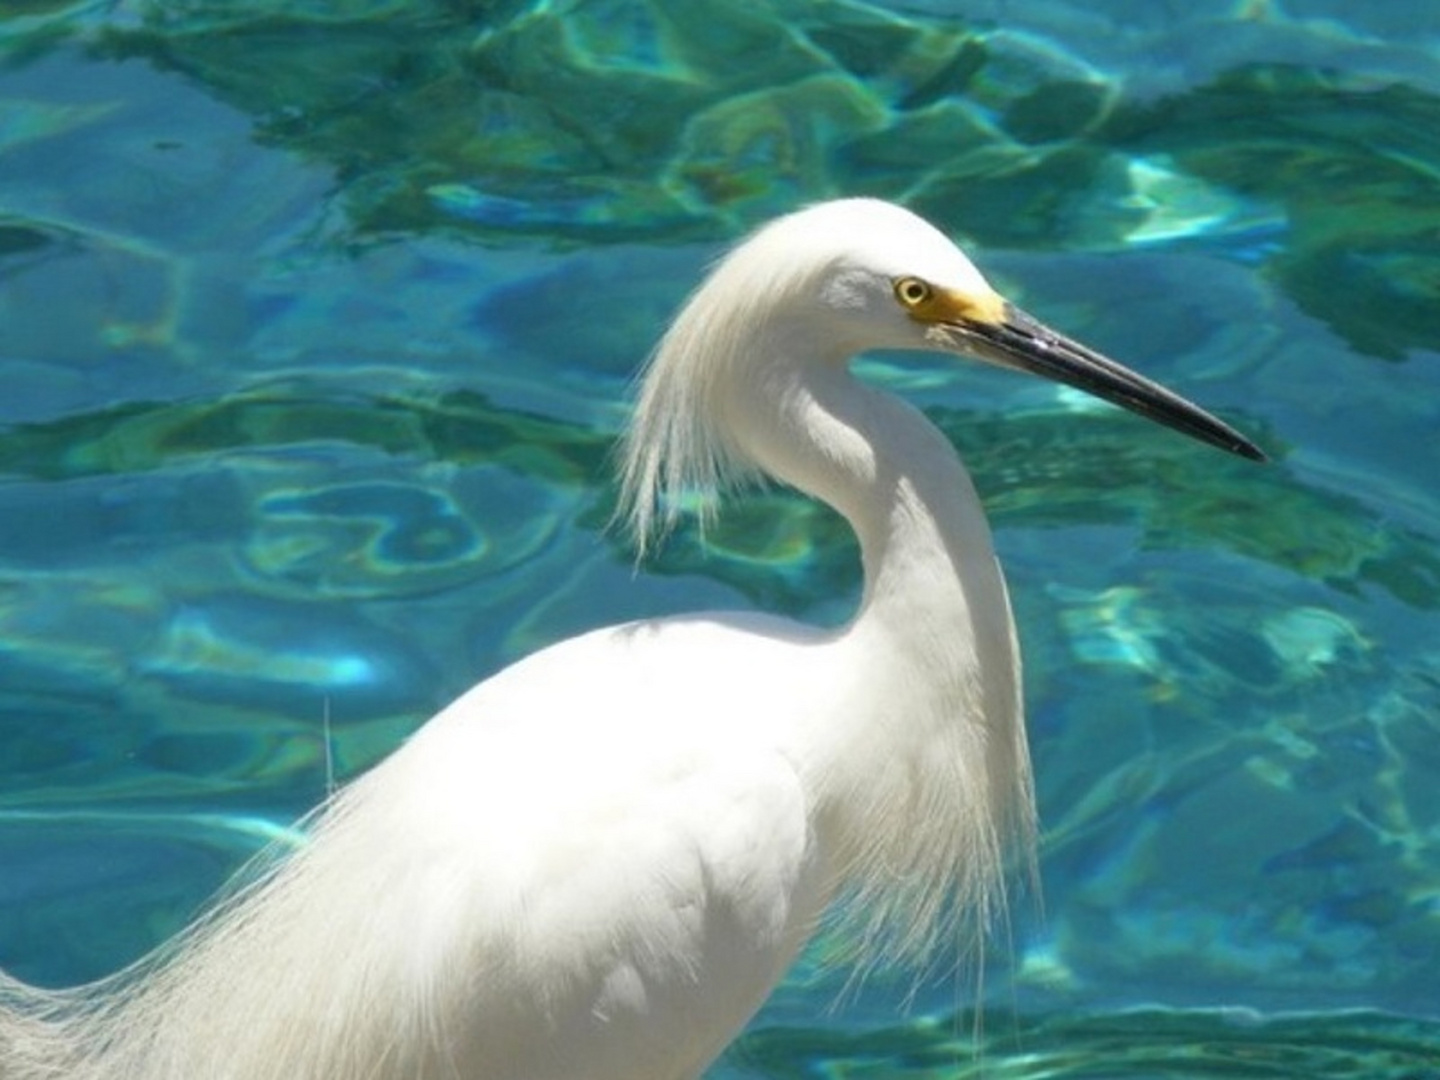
[{"x": 316, "y": 326}]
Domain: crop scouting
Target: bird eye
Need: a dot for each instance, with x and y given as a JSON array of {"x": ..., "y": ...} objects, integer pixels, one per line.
[{"x": 912, "y": 292}]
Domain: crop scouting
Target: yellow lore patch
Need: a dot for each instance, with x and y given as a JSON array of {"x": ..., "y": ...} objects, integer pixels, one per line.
[{"x": 928, "y": 304}]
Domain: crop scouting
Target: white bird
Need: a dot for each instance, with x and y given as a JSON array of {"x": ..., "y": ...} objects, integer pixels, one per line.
[{"x": 598, "y": 863}]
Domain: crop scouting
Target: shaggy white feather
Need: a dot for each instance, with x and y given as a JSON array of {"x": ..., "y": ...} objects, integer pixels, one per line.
[{"x": 597, "y": 864}]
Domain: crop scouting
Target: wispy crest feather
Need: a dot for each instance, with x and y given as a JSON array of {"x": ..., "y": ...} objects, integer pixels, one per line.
[{"x": 677, "y": 444}]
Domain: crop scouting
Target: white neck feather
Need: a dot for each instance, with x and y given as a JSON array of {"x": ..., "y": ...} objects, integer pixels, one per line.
[{"x": 932, "y": 657}]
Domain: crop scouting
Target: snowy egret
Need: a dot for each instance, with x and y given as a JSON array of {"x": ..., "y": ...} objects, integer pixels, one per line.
[{"x": 598, "y": 863}]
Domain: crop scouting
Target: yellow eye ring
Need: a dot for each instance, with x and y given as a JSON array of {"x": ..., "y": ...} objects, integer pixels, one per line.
[{"x": 912, "y": 292}]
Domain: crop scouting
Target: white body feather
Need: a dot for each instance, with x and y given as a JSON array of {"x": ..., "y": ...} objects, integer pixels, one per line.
[{"x": 598, "y": 863}]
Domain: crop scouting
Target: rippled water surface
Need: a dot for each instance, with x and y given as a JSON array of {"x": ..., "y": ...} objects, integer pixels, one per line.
[{"x": 316, "y": 326}]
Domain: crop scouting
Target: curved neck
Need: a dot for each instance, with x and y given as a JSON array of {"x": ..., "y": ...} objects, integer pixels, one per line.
[
  {"x": 925, "y": 767},
  {"x": 928, "y": 558}
]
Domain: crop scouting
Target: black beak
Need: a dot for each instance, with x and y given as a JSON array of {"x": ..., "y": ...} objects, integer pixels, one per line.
[{"x": 1026, "y": 344}]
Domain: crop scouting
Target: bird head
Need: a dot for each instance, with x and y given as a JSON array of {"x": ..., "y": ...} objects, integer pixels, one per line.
[
  {"x": 872, "y": 275},
  {"x": 817, "y": 287}
]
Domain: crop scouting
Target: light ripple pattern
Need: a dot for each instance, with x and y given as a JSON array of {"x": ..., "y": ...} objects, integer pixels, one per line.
[{"x": 317, "y": 323}]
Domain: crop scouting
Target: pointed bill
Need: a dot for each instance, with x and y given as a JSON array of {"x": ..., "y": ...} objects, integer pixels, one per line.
[{"x": 1003, "y": 334}]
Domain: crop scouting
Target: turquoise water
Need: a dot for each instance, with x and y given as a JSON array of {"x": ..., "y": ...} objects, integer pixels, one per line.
[{"x": 316, "y": 326}]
